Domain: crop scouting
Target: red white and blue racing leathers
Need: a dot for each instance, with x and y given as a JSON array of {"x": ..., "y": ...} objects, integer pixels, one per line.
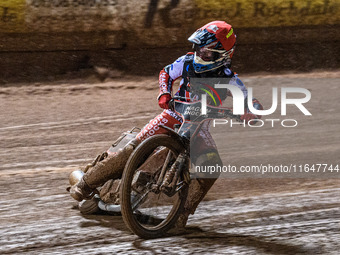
[{"x": 183, "y": 68}]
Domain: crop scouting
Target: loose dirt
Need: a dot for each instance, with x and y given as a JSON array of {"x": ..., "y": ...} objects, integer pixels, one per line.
[{"x": 48, "y": 129}]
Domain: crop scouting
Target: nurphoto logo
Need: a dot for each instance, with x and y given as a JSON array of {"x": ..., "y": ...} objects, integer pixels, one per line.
[{"x": 239, "y": 105}]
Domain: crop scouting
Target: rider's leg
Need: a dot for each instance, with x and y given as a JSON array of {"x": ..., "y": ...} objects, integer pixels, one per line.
[
  {"x": 166, "y": 118},
  {"x": 197, "y": 190},
  {"x": 112, "y": 167},
  {"x": 203, "y": 153},
  {"x": 109, "y": 168},
  {"x": 199, "y": 187}
]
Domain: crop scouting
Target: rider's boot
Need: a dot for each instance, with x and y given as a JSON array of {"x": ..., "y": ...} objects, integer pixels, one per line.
[
  {"x": 197, "y": 190},
  {"x": 109, "y": 168},
  {"x": 81, "y": 190}
]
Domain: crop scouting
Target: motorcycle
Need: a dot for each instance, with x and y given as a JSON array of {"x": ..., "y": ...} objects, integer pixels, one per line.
[{"x": 154, "y": 186}]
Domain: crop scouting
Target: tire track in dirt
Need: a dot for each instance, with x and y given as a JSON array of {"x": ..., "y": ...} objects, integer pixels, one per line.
[
  {"x": 16, "y": 135},
  {"x": 79, "y": 122},
  {"x": 260, "y": 224}
]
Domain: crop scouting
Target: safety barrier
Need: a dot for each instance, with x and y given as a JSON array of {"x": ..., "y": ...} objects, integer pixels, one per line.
[
  {"x": 68, "y": 24},
  {"x": 38, "y": 26}
]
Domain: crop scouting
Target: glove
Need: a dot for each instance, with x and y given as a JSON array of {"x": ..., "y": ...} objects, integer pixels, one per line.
[
  {"x": 163, "y": 101},
  {"x": 247, "y": 116}
]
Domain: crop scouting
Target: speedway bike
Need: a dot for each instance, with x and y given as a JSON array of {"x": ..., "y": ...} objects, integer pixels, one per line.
[{"x": 156, "y": 178}]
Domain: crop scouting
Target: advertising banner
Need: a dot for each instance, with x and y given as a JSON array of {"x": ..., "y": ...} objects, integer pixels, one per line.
[{"x": 153, "y": 15}]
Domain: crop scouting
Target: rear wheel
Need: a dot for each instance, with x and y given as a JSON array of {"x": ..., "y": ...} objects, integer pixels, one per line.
[{"x": 147, "y": 211}]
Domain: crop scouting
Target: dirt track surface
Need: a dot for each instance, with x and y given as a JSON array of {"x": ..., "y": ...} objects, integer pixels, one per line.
[{"x": 47, "y": 130}]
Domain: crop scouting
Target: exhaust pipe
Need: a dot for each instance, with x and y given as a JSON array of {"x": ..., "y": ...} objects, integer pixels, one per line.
[{"x": 75, "y": 177}]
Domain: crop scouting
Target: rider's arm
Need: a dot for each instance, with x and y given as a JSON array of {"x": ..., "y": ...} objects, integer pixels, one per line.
[
  {"x": 247, "y": 116},
  {"x": 167, "y": 76}
]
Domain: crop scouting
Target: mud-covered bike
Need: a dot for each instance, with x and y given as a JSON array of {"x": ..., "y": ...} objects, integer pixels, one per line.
[{"x": 156, "y": 178}]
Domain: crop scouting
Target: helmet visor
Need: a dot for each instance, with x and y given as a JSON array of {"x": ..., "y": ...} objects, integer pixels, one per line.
[
  {"x": 205, "y": 54},
  {"x": 211, "y": 55}
]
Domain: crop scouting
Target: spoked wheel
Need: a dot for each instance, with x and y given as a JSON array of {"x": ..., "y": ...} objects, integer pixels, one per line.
[{"x": 148, "y": 210}]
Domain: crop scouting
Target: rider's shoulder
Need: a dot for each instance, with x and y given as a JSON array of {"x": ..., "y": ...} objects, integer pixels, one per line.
[
  {"x": 182, "y": 59},
  {"x": 186, "y": 57}
]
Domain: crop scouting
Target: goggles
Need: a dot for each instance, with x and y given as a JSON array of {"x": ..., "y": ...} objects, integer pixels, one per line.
[{"x": 209, "y": 55}]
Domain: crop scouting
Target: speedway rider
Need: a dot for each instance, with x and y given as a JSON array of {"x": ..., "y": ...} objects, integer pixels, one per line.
[{"x": 214, "y": 46}]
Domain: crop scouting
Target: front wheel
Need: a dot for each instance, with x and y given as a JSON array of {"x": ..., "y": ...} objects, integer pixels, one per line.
[{"x": 149, "y": 211}]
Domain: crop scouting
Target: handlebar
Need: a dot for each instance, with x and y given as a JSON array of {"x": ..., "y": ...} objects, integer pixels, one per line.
[
  {"x": 172, "y": 101},
  {"x": 215, "y": 112}
]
